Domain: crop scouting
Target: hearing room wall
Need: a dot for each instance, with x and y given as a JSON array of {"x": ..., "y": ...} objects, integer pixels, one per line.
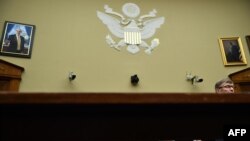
[{"x": 70, "y": 37}]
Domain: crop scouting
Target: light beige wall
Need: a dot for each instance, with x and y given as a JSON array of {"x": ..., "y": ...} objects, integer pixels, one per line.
[{"x": 70, "y": 37}]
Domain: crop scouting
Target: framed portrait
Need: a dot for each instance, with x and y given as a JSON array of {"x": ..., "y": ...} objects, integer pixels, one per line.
[
  {"x": 232, "y": 51},
  {"x": 17, "y": 39}
]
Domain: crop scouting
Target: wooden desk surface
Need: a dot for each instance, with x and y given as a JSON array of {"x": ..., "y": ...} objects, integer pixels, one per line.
[{"x": 122, "y": 98}]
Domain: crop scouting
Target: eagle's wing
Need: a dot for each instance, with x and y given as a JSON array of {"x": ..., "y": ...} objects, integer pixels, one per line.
[
  {"x": 112, "y": 24},
  {"x": 150, "y": 27}
]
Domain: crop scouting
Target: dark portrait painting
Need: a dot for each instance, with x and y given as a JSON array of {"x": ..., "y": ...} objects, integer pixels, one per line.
[
  {"x": 248, "y": 42},
  {"x": 17, "y": 39},
  {"x": 232, "y": 51}
]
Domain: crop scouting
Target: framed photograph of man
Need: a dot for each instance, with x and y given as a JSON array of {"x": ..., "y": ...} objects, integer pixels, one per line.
[
  {"x": 17, "y": 39},
  {"x": 232, "y": 51}
]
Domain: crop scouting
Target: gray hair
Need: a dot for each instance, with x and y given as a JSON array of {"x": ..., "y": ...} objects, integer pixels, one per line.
[{"x": 219, "y": 83}]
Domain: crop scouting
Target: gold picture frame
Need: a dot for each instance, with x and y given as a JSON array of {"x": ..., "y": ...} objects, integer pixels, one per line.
[{"x": 232, "y": 51}]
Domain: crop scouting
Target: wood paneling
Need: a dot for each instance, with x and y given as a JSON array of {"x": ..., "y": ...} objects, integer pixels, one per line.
[
  {"x": 10, "y": 76},
  {"x": 241, "y": 80}
]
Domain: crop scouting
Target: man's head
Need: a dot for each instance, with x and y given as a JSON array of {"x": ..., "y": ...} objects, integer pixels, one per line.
[
  {"x": 18, "y": 31},
  {"x": 224, "y": 86}
]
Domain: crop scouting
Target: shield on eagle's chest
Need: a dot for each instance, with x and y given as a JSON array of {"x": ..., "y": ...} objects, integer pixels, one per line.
[{"x": 132, "y": 35}]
